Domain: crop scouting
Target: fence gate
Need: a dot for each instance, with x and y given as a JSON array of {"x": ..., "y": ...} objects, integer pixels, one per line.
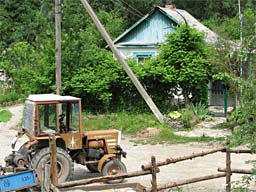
[{"x": 220, "y": 102}]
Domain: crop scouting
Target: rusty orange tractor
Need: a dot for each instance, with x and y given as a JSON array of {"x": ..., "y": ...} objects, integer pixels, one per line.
[{"x": 46, "y": 114}]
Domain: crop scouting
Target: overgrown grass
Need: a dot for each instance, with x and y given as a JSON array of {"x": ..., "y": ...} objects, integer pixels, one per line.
[
  {"x": 126, "y": 122},
  {"x": 11, "y": 96},
  {"x": 168, "y": 136},
  {"x": 5, "y": 115},
  {"x": 133, "y": 123}
]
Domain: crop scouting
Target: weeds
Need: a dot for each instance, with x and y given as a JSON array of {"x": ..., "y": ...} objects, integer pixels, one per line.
[
  {"x": 168, "y": 136},
  {"x": 11, "y": 96},
  {"x": 200, "y": 110},
  {"x": 127, "y": 123}
]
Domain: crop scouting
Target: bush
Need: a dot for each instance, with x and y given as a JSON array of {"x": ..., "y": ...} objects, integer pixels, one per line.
[
  {"x": 11, "y": 96},
  {"x": 188, "y": 117},
  {"x": 5, "y": 115}
]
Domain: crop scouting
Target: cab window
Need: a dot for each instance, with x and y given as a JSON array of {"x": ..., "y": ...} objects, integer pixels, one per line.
[{"x": 47, "y": 118}]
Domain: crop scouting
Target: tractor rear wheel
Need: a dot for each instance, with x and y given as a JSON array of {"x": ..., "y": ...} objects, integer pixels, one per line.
[
  {"x": 114, "y": 167},
  {"x": 65, "y": 165}
]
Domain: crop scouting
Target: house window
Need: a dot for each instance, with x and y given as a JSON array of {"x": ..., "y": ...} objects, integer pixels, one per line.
[{"x": 141, "y": 57}]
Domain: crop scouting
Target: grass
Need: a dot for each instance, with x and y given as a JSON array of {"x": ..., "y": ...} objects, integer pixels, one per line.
[
  {"x": 5, "y": 115},
  {"x": 168, "y": 136},
  {"x": 127, "y": 123},
  {"x": 132, "y": 123},
  {"x": 226, "y": 125}
]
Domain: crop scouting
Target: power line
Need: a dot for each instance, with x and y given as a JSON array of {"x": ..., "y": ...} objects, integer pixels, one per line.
[
  {"x": 138, "y": 12},
  {"x": 138, "y": 15}
]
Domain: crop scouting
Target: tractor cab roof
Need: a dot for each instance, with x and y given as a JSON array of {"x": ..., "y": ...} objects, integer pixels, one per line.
[{"x": 51, "y": 97}]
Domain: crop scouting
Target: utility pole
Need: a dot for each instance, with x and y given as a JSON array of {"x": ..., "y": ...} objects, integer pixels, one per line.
[
  {"x": 241, "y": 37},
  {"x": 125, "y": 66},
  {"x": 58, "y": 45}
]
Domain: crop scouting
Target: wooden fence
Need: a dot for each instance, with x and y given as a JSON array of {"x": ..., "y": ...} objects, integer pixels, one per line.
[{"x": 153, "y": 169}]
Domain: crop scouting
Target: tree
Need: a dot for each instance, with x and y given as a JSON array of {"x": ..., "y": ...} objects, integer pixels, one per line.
[
  {"x": 233, "y": 60},
  {"x": 183, "y": 61}
]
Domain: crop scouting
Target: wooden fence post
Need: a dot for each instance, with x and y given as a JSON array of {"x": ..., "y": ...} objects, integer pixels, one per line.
[
  {"x": 228, "y": 171},
  {"x": 154, "y": 171},
  {"x": 53, "y": 157}
]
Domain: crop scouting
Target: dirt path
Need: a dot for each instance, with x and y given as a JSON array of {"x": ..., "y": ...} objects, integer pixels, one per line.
[
  {"x": 205, "y": 128},
  {"x": 141, "y": 154}
]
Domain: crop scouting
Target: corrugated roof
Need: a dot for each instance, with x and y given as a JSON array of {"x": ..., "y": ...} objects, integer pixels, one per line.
[
  {"x": 51, "y": 97},
  {"x": 183, "y": 16}
]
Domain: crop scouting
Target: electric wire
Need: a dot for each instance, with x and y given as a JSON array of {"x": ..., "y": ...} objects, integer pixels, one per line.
[
  {"x": 130, "y": 11},
  {"x": 138, "y": 12}
]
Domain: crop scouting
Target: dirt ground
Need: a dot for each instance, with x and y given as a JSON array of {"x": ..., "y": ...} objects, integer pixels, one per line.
[{"x": 141, "y": 154}]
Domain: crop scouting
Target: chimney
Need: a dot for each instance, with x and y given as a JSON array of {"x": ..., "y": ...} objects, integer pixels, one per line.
[{"x": 170, "y": 6}]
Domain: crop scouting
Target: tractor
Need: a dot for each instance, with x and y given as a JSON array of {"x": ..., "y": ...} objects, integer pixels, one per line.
[{"x": 61, "y": 116}]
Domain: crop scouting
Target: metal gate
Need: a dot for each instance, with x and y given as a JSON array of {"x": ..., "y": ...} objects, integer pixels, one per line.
[{"x": 220, "y": 102}]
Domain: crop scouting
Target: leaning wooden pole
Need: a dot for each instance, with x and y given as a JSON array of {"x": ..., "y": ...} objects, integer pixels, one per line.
[
  {"x": 103, "y": 179},
  {"x": 186, "y": 181},
  {"x": 175, "y": 160},
  {"x": 120, "y": 58}
]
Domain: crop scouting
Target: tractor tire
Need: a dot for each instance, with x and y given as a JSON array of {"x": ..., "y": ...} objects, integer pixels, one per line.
[
  {"x": 114, "y": 167},
  {"x": 93, "y": 167},
  {"x": 65, "y": 165}
]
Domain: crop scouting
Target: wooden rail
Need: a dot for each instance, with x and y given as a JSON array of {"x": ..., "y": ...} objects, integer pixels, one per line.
[
  {"x": 186, "y": 181},
  {"x": 187, "y": 157},
  {"x": 238, "y": 171},
  {"x": 104, "y": 178}
]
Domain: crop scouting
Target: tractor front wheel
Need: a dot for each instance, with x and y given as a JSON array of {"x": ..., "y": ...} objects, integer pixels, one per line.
[{"x": 114, "y": 167}]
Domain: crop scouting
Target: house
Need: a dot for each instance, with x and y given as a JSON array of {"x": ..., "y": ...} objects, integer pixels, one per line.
[{"x": 142, "y": 40}]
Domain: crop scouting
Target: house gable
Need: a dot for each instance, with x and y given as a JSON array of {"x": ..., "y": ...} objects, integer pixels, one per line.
[{"x": 149, "y": 31}]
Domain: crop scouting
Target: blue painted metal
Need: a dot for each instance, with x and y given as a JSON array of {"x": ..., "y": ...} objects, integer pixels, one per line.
[{"x": 18, "y": 181}]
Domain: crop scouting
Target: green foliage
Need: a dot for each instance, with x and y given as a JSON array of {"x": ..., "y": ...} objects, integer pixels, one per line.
[
  {"x": 127, "y": 123},
  {"x": 245, "y": 117},
  {"x": 28, "y": 68},
  {"x": 199, "y": 109},
  {"x": 182, "y": 61},
  {"x": 10, "y": 96},
  {"x": 187, "y": 117},
  {"x": 5, "y": 115},
  {"x": 168, "y": 136},
  {"x": 27, "y": 52}
]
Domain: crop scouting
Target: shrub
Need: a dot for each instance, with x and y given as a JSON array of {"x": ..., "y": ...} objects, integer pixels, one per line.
[
  {"x": 188, "y": 117},
  {"x": 11, "y": 96},
  {"x": 5, "y": 115}
]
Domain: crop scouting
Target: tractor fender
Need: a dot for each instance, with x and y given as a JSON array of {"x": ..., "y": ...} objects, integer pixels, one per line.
[{"x": 103, "y": 160}]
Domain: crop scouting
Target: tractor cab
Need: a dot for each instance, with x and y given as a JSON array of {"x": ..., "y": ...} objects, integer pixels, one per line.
[
  {"x": 46, "y": 114},
  {"x": 51, "y": 114}
]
